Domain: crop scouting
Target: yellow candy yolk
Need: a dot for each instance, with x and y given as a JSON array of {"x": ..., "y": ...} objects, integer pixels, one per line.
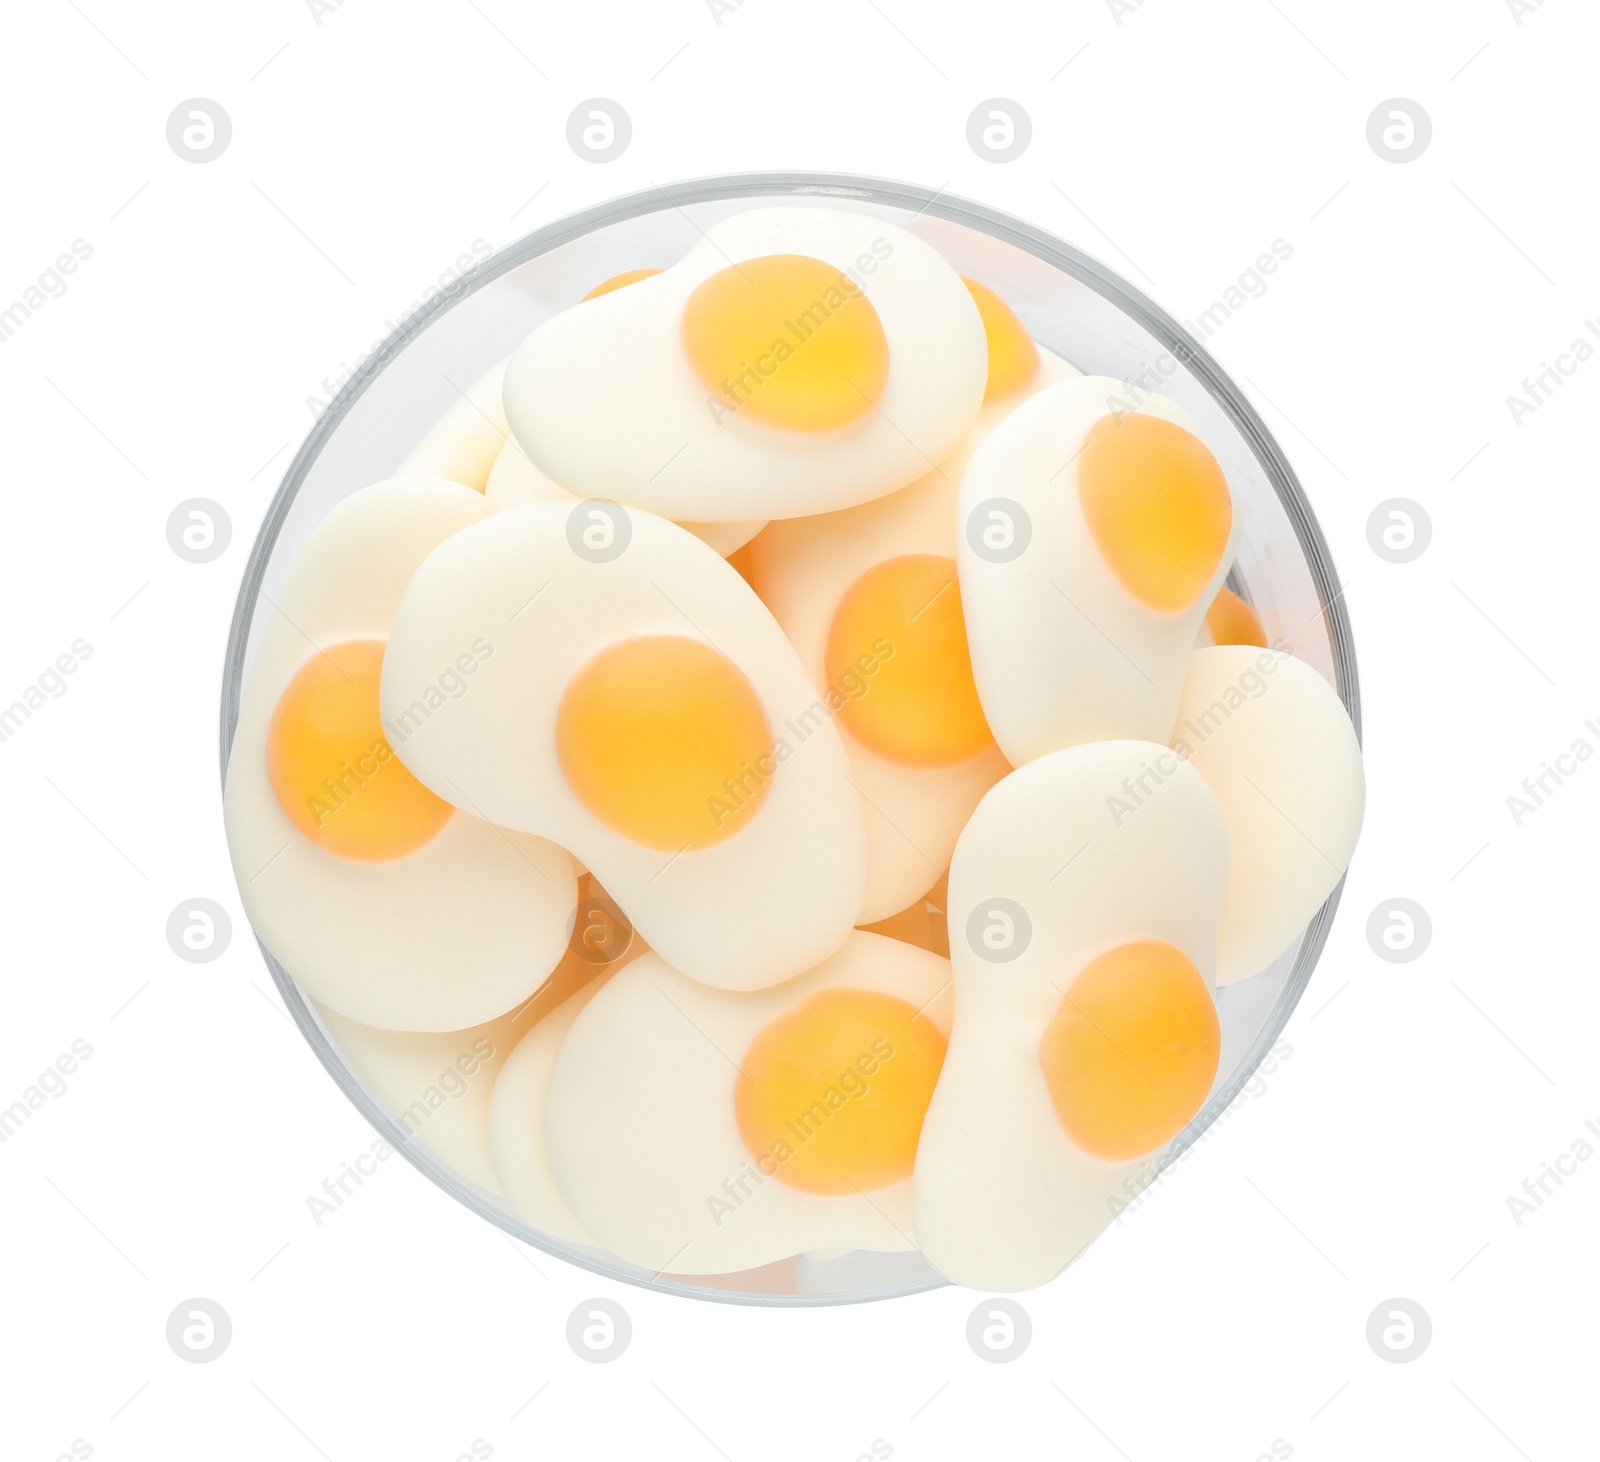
[
  {"x": 1132, "y": 1051},
  {"x": 1233, "y": 622},
  {"x": 1013, "y": 357},
  {"x": 619, "y": 281},
  {"x": 665, "y": 741},
  {"x": 1157, "y": 505},
  {"x": 330, "y": 765},
  {"x": 897, "y": 659},
  {"x": 831, "y": 1096},
  {"x": 787, "y": 340}
]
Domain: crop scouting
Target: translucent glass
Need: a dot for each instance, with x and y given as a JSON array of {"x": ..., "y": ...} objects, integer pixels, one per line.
[{"x": 1070, "y": 303}]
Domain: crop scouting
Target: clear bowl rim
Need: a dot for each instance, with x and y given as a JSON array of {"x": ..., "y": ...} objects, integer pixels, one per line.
[{"x": 845, "y": 186}]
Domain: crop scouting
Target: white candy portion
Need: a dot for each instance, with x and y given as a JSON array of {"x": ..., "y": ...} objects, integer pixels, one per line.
[
  {"x": 464, "y": 443},
  {"x": 516, "y": 1121},
  {"x": 1275, "y": 744},
  {"x": 604, "y": 400},
  {"x": 436, "y": 1086},
  {"x": 1062, "y": 652},
  {"x": 514, "y": 480},
  {"x": 1004, "y": 1199},
  {"x": 641, "y": 1129},
  {"x": 761, "y": 906},
  {"x": 802, "y": 568},
  {"x": 453, "y": 934}
]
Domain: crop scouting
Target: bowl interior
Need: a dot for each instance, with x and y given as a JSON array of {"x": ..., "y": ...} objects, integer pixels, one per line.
[{"x": 1069, "y": 302}]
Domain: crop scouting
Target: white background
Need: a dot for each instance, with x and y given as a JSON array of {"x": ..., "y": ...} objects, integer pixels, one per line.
[{"x": 372, "y": 148}]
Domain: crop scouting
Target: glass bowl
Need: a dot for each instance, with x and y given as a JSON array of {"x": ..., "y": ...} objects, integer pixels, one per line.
[{"x": 1069, "y": 301}]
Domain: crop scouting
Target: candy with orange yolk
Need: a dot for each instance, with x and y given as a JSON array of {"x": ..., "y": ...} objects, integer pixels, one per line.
[
  {"x": 1232, "y": 621},
  {"x": 1132, "y": 1051},
  {"x": 922, "y": 708},
  {"x": 803, "y": 1068},
  {"x": 1157, "y": 505},
  {"x": 791, "y": 341},
  {"x": 1013, "y": 357},
  {"x": 737, "y": 1128},
  {"x": 652, "y": 730},
  {"x": 331, "y": 766},
  {"x": 640, "y": 707},
  {"x": 1085, "y": 903},
  {"x": 1090, "y": 540},
  {"x": 797, "y": 361},
  {"x": 386, "y": 903}
]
